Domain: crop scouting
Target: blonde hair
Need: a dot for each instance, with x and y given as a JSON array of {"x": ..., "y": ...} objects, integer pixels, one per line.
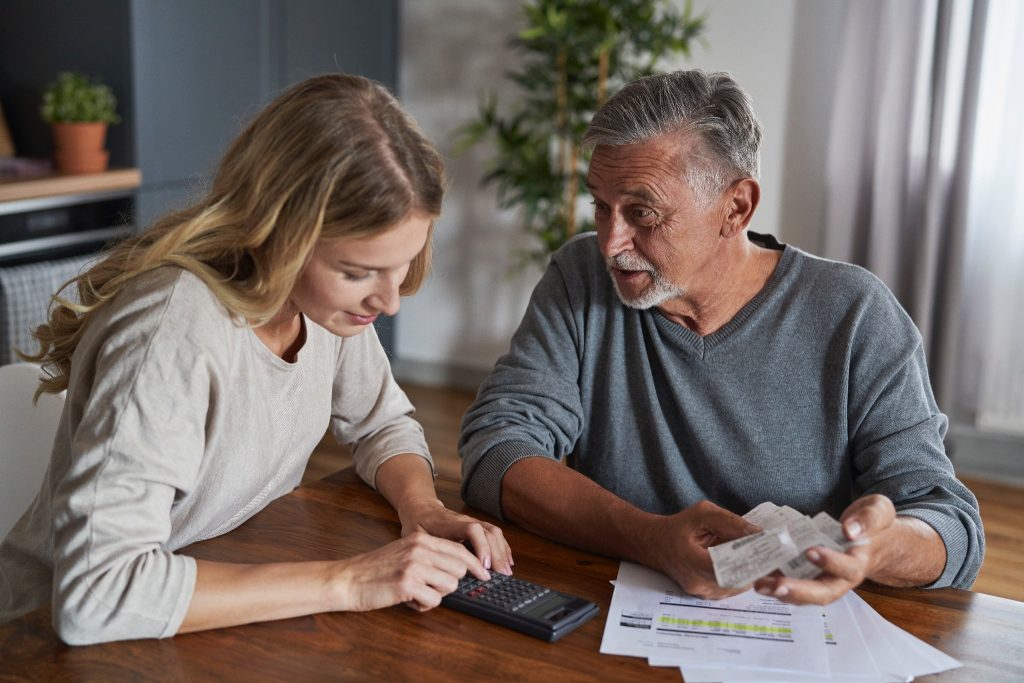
[{"x": 334, "y": 156}]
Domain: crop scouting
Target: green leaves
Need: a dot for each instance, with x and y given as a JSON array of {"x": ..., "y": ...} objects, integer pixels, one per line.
[
  {"x": 574, "y": 52},
  {"x": 74, "y": 98}
]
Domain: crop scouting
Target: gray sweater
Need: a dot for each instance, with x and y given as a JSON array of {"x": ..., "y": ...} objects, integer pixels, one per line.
[
  {"x": 179, "y": 425},
  {"x": 814, "y": 394}
]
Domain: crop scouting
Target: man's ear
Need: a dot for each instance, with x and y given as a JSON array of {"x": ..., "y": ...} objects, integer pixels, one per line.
[{"x": 742, "y": 198}]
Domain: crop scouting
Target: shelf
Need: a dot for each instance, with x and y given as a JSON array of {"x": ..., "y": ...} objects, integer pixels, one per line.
[
  {"x": 72, "y": 239},
  {"x": 119, "y": 181}
]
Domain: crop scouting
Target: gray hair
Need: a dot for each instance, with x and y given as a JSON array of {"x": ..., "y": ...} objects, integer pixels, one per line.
[{"x": 711, "y": 106}]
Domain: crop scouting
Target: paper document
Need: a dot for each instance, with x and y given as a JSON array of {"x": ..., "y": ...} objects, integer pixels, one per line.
[
  {"x": 650, "y": 617},
  {"x": 849, "y": 658},
  {"x": 750, "y": 637}
]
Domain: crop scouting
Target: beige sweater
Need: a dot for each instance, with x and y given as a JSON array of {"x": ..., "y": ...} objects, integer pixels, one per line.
[{"x": 179, "y": 425}]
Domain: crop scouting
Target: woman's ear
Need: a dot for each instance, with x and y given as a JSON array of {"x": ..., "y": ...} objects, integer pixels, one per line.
[{"x": 742, "y": 197}]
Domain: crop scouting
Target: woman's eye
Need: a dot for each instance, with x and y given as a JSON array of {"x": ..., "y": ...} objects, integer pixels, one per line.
[{"x": 355, "y": 277}]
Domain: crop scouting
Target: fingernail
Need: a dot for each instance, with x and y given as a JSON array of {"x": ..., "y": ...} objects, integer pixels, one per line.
[
  {"x": 764, "y": 590},
  {"x": 813, "y": 556},
  {"x": 854, "y": 529},
  {"x": 487, "y": 562},
  {"x": 781, "y": 591}
]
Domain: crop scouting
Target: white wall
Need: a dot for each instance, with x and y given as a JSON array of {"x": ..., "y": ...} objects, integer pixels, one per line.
[
  {"x": 752, "y": 40},
  {"x": 816, "y": 39},
  {"x": 455, "y": 50}
]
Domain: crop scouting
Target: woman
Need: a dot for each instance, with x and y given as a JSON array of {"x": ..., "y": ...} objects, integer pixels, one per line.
[{"x": 205, "y": 360}]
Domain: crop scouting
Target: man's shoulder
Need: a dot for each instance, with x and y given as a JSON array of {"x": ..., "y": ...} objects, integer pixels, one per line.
[
  {"x": 579, "y": 248},
  {"x": 851, "y": 294},
  {"x": 580, "y": 258},
  {"x": 840, "y": 279}
]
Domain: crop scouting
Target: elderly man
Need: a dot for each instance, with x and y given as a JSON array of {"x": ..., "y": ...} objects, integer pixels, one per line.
[{"x": 688, "y": 370}]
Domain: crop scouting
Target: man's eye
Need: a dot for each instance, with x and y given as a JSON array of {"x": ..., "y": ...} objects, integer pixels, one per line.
[{"x": 600, "y": 207}]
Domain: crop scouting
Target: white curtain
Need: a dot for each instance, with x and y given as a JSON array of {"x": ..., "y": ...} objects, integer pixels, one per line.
[
  {"x": 925, "y": 135},
  {"x": 991, "y": 372}
]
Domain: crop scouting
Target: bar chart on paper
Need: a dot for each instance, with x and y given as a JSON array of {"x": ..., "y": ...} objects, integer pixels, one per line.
[
  {"x": 751, "y": 637},
  {"x": 762, "y": 619}
]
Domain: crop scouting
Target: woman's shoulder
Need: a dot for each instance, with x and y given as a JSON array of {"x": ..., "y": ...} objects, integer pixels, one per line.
[
  {"x": 170, "y": 305},
  {"x": 173, "y": 292}
]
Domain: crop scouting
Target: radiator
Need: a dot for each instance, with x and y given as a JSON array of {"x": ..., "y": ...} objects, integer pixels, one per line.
[{"x": 25, "y": 293}]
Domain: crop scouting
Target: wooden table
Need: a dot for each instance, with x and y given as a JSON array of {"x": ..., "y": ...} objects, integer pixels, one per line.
[{"x": 339, "y": 516}]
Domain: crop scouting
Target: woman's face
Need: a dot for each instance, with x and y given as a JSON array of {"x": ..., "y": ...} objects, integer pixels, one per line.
[{"x": 348, "y": 282}]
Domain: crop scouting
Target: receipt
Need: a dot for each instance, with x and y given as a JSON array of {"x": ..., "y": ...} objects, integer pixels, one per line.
[
  {"x": 738, "y": 563},
  {"x": 782, "y": 545}
]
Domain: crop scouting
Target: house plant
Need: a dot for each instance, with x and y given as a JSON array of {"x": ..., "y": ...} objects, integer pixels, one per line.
[
  {"x": 79, "y": 110},
  {"x": 576, "y": 53}
]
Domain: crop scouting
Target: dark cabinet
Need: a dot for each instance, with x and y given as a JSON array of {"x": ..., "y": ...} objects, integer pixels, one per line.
[{"x": 187, "y": 73}]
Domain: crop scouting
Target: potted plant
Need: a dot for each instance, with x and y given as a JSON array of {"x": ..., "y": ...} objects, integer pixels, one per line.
[
  {"x": 577, "y": 53},
  {"x": 79, "y": 110}
]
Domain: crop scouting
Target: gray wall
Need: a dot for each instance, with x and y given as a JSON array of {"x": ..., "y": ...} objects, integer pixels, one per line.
[{"x": 202, "y": 68}]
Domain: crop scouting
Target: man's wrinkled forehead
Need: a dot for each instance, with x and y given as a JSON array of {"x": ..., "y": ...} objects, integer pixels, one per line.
[
  {"x": 638, "y": 168},
  {"x": 662, "y": 152}
]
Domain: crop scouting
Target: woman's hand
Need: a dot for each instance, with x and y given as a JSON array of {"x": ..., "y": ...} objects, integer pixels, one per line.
[
  {"x": 487, "y": 540},
  {"x": 418, "y": 570},
  {"x": 406, "y": 481}
]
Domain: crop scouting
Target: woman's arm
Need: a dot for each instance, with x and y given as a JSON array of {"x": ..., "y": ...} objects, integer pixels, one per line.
[{"x": 417, "y": 570}]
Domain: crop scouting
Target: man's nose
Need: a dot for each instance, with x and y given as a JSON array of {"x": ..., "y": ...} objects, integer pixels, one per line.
[{"x": 616, "y": 237}]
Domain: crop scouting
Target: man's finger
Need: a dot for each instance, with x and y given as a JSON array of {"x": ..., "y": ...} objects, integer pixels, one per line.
[
  {"x": 722, "y": 523},
  {"x": 821, "y": 591},
  {"x": 844, "y": 565}
]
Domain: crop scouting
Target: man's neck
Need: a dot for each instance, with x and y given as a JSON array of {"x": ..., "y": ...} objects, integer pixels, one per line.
[{"x": 743, "y": 269}]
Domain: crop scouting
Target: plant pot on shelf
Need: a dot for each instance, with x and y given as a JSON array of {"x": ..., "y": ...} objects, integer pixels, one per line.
[{"x": 79, "y": 147}]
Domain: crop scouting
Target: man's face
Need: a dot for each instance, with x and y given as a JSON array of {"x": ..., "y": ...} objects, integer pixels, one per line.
[{"x": 657, "y": 242}]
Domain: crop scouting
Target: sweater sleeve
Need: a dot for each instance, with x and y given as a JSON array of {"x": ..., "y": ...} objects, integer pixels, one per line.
[
  {"x": 897, "y": 435},
  {"x": 369, "y": 410},
  {"x": 138, "y": 443},
  {"x": 530, "y": 404}
]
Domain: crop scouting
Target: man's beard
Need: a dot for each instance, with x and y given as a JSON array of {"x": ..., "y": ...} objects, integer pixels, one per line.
[{"x": 656, "y": 293}]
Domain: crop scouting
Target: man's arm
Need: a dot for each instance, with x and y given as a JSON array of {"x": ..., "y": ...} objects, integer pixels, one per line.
[{"x": 557, "y": 502}]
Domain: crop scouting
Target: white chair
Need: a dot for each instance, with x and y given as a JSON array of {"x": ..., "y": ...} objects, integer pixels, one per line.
[{"x": 26, "y": 438}]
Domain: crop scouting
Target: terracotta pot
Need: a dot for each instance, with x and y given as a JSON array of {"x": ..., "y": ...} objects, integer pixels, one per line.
[{"x": 79, "y": 147}]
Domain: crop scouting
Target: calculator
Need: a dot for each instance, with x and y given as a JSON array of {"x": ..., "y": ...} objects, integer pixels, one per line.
[{"x": 520, "y": 605}]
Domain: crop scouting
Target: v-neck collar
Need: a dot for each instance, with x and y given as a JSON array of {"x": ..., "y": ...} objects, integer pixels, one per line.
[{"x": 702, "y": 345}]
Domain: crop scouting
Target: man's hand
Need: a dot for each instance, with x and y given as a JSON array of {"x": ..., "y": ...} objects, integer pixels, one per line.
[
  {"x": 681, "y": 549},
  {"x": 870, "y": 521}
]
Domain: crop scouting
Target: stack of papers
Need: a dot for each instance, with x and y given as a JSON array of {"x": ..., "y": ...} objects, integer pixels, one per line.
[
  {"x": 782, "y": 545},
  {"x": 751, "y": 637}
]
